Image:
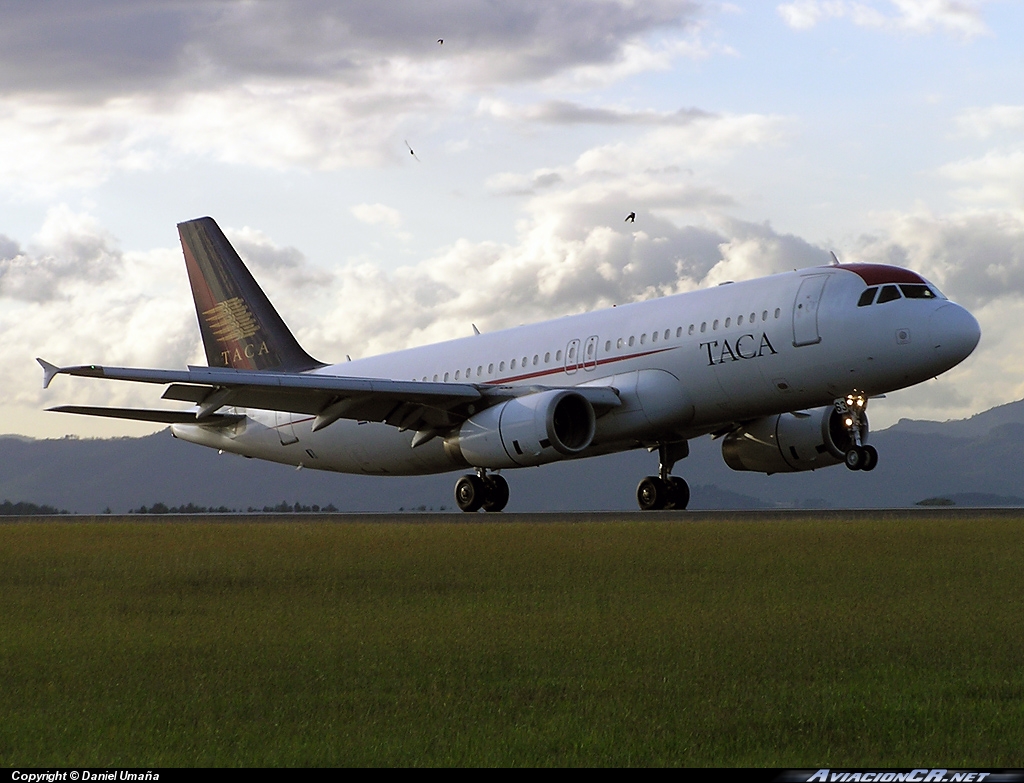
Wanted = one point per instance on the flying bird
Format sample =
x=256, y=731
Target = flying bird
x=411, y=151
x=441, y=41
x=630, y=218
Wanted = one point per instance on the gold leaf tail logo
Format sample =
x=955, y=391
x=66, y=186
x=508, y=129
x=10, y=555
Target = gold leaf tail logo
x=231, y=320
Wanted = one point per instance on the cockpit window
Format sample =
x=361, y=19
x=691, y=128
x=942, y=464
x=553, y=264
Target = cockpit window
x=916, y=291
x=867, y=297
x=889, y=292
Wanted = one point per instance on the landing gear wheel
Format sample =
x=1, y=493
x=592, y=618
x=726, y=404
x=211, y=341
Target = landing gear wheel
x=652, y=493
x=497, y=493
x=470, y=493
x=870, y=458
x=679, y=493
x=855, y=458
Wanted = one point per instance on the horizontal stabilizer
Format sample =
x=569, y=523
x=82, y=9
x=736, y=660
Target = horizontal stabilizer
x=139, y=414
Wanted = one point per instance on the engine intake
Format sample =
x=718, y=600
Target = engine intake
x=789, y=442
x=531, y=430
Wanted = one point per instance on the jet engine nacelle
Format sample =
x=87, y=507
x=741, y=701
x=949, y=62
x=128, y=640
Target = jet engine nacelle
x=790, y=442
x=529, y=430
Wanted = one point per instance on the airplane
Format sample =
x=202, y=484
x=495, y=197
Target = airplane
x=779, y=368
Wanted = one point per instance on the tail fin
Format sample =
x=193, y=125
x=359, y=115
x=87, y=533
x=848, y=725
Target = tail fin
x=240, y=327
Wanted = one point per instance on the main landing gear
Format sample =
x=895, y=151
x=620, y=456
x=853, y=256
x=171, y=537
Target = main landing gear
x=480, y=491
x=852, y=409
x=665, y=491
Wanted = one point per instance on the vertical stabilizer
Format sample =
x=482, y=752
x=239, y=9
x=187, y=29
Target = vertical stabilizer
x=240, y=327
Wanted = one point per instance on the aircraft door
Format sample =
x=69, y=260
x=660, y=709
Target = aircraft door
x=805, y=310
x=590, y=354
x=285, y=428
x=572, y=357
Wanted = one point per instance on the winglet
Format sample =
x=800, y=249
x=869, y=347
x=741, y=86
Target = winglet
x=49, y=370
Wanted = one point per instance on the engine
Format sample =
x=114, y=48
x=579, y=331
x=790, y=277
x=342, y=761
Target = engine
x=529, y=430
x=790, y=442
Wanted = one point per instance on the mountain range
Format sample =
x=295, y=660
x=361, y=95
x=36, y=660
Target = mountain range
x=977, y=461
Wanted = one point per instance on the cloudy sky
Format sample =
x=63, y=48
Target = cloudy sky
x=749, y=138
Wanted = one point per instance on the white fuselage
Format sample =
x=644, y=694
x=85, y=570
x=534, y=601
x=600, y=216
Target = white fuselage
x=684, y=365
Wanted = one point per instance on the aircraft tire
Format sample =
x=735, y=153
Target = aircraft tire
x=679, y=493
x=497, y=493
x=652, y=493
x=870, y=458
x=855, y=458
x=470, y=493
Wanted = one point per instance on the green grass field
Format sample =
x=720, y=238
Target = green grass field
x=785, y=643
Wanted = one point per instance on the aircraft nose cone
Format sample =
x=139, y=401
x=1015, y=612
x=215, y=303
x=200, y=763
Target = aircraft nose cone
x=954, y=332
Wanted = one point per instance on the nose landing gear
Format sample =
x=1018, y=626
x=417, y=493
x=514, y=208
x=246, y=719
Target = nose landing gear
x=852, y=409
x=473, y=492
x=665, y=491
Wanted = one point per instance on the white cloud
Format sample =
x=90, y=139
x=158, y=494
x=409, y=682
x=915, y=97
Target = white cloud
x=47, y=145
x=93, y=88
x=982, y=122
x=119, y=47
x=68, y=249
x=570, y=113
x=74, y=297
x=375, y=214
x=960, y=17
x=996, y=178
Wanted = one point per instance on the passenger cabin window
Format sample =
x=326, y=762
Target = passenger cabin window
x=917, y=291
x=889, y=292
x=867, y=297
x=727, y=322
x=690, y=330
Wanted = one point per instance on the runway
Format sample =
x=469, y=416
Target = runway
x=938, y=513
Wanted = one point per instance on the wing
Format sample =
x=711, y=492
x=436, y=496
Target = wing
x=429, y=408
